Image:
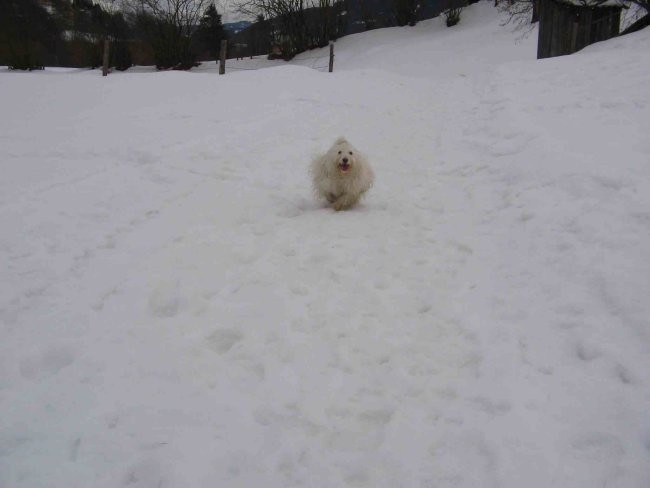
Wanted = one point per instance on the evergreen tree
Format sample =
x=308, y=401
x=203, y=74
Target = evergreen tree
x=258, y=36
x=211, y=30
x=27, y=31
x=406, y=11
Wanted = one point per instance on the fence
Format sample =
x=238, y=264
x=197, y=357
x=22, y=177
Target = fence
x=316, y=61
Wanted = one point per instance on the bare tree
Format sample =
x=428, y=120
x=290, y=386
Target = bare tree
x=287, y=19
x=522, y=14
x=368, y=14
x=406, y=11
x=297, y=25
x=326, y=23
x=170, y=26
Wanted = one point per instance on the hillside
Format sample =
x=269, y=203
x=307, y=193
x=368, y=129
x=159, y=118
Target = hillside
x=176, y=310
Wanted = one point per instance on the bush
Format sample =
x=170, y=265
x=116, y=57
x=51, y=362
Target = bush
x=171, y=48
x=121, y=55
x=26, y=56
x=406, y=11
x=452, y=16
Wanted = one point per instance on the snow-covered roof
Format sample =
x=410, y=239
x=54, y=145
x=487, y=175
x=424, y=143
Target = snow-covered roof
x=596, y=3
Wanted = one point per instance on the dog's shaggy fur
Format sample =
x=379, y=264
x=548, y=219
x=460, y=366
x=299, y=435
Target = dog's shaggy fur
x=341, y=175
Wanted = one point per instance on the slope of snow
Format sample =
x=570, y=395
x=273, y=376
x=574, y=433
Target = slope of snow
x=177, y=310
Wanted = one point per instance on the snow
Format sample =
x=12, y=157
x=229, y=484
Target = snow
x=177, y=310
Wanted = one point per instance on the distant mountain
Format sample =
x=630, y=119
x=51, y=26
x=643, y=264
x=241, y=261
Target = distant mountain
x=235, y=27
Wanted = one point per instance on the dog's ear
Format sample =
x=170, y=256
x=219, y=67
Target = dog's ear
x=340, y=140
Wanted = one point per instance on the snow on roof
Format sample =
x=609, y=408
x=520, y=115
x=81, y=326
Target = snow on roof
x=596, y=3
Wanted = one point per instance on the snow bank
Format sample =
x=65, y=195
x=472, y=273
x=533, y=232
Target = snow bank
x=177, y=310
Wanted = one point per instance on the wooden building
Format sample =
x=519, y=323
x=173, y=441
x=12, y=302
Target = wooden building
x=566, y=26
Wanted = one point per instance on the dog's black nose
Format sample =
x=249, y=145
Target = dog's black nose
x=345, y=160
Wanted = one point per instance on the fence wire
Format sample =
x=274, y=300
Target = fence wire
x=243, y=69
x=298, y=62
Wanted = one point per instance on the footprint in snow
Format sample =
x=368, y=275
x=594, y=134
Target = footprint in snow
x=165, y=300
x=46, y=363
x=223, y=340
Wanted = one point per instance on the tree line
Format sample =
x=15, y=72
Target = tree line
x=172, y=34
x=175, y=34
x=294, y=26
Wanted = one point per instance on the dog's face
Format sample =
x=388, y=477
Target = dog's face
x=344, y=156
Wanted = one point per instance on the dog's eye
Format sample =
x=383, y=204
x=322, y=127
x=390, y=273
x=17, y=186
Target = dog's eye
x=339, y=152
x=350, y=153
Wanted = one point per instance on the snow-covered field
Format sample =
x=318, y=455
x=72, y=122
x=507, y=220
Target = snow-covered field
x=177, y=311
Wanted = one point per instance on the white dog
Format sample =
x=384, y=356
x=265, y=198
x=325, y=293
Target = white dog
x=341, y=175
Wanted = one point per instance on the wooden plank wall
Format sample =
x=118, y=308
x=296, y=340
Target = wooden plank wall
x=565, y=29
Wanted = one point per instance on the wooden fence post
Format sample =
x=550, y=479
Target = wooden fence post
x=107, y=45
x=331, y=57
x=222, y=57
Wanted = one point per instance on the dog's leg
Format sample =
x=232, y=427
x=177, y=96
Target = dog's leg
x=345, y=201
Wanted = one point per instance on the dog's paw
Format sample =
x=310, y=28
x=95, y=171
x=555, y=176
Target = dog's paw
x=345, y=201
x=340, y=204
